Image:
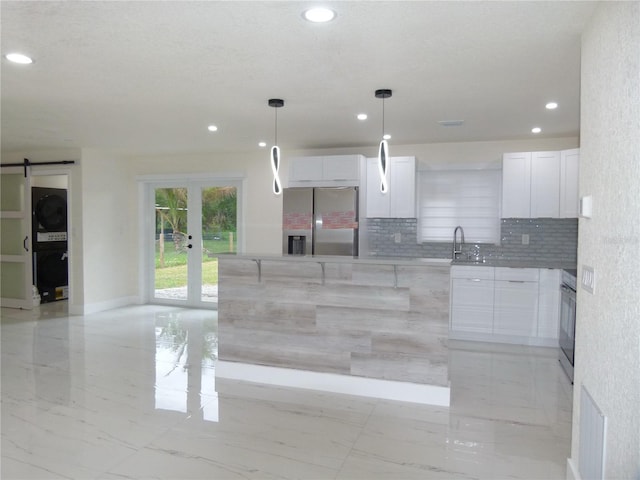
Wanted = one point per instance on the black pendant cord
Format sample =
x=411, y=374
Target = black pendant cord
x=382, y=118
x=27, y=163
x=276, y=128
x=383, y=93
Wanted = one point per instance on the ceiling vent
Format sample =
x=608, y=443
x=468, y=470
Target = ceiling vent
x=450, y=123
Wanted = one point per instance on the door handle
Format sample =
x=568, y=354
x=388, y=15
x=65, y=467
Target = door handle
x=24, y=243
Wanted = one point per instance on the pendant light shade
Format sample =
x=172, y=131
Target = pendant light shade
x=383, y=155
x=275, y=166
x=275, y=150
x=383, y=148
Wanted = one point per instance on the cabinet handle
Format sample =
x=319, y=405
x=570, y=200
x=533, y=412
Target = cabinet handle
x=516, y=281
x=475, y=279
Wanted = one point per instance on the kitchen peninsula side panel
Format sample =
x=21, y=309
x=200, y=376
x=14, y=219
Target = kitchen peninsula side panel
x=384, y=321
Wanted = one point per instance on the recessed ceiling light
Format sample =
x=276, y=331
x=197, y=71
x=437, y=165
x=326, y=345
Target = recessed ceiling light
x=551, y=106
x=262, y=144
x=386, y=136
x=362, y=116
x=18, y=58
x=212, y=128
x=536, y=130
x=319, y=15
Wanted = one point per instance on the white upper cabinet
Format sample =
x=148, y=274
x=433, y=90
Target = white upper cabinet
x=402, y=187
x=545, y=184
x=306, y=170
x=400, y=200
x=540, y=184
x=516, y=185
x=377, y=204
x=569, y=177
x=342, y=168
x=325, y=171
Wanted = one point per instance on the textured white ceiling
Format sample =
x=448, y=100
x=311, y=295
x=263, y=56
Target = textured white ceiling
x=148, y=77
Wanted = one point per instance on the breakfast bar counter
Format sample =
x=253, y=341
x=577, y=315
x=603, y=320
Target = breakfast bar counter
x=379, y=318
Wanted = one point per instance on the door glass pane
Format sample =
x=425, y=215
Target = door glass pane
x=13, y=281
x=12, y=192
x=219, y=234
x=12, y=236
x=170, y=279
x=15, y=265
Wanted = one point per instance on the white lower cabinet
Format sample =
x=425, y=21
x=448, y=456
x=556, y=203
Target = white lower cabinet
x=472, y=299
x=508, y=305
x=515, y=302
x=549, y=303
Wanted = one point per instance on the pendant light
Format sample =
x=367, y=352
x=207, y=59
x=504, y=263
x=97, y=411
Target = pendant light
x=275, y=150
x=383, y=148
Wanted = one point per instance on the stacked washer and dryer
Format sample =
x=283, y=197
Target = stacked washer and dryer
x=49, y=242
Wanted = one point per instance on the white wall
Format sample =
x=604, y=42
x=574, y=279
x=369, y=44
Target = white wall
x=608, y=322
x=50, y=181
x=109, y=235
x=262, y=209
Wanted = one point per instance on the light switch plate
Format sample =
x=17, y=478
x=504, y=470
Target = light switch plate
x=588, y=279
x=525, y=239
x=398, y=237
x=586, y=206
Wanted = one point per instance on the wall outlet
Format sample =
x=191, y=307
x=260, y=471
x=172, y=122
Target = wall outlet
x=525, y=239
x=397, y=237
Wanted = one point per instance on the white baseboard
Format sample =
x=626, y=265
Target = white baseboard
x=89, y=308
x=331, y=382
x=572, y=470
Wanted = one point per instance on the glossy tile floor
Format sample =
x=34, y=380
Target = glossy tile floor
x=132, y=393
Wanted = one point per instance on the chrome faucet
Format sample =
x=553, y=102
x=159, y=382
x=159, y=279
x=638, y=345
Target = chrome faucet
x=457, y=247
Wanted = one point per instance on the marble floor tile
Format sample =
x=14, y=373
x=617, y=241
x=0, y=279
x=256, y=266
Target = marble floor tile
x=132, y=393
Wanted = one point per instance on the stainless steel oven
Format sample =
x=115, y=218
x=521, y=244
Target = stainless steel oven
x=567, y=332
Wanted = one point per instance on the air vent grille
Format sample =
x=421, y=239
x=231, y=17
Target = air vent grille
x=450, y=123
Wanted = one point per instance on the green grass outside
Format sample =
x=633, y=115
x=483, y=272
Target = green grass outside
x=174, y=273
x=176, y=276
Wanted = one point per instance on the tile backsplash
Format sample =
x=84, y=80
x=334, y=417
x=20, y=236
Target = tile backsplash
x=550, y=240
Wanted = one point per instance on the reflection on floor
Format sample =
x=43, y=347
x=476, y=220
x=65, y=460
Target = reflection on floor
x=132, y=393
x=209, y=293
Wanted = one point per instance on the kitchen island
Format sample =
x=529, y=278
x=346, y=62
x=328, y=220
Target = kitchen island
x=375, y=318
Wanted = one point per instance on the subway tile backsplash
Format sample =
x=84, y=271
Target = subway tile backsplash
x=550, y=240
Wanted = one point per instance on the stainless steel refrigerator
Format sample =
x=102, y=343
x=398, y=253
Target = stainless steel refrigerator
x=320, y=221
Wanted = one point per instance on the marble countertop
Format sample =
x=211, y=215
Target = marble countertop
x=404, y=261
x=500, y=262
x=372, y=260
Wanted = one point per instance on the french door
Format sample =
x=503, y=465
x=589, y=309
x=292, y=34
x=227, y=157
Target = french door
x=192, y=222
x=15, y=254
